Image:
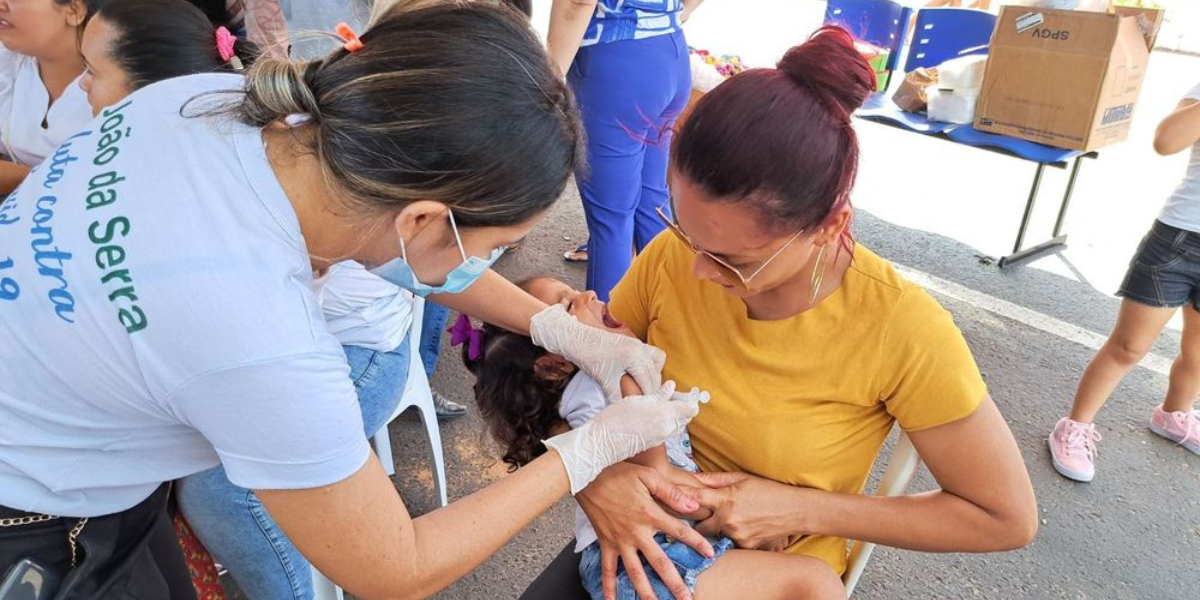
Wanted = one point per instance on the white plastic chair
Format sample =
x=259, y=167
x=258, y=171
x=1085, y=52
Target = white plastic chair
x=416, y=394
x=901, y=468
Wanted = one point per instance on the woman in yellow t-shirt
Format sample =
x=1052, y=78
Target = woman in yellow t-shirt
x=811, y=345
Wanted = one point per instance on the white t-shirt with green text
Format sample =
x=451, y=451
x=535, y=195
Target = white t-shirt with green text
x=157, y=317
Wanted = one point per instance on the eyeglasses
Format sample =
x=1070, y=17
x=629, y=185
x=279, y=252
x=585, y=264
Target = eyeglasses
x=730, y=272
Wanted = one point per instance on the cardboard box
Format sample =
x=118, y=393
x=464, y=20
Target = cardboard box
x=1063, y=78
x=1149, y=20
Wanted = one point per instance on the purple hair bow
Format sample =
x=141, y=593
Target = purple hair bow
x=464, y=332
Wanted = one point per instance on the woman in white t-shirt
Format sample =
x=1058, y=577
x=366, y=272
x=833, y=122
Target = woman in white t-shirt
x=1163, y=277
x=129, y=45
x=41, y=103
x=158, y=316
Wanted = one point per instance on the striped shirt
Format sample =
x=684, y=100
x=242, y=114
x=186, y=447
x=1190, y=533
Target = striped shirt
x=620, y=20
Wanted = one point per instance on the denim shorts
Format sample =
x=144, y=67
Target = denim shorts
x=688, y=562
x=1165, y=270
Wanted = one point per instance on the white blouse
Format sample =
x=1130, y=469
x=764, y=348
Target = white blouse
x=25, y=104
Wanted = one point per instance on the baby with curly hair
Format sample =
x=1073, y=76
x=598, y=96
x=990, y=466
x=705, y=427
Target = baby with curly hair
x=526, y=394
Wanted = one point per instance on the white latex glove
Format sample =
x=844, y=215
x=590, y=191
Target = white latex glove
x=604, y=355
x=623, y=429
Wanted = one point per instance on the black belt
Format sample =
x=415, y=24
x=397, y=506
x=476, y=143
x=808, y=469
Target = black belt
x=12, y=513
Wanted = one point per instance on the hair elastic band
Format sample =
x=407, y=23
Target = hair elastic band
x=465, y=332
x=353, y=44
x=225, y=42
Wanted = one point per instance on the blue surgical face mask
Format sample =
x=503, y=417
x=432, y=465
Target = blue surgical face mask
x=398, y=272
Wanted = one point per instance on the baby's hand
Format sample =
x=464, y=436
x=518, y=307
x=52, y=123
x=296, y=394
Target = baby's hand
x=689, y=482
x=697, y=515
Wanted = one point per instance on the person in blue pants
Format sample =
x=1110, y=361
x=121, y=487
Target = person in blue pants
x=433, y=324
x=632, y=78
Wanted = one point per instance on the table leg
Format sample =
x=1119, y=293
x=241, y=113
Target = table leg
x=1019, y=254
x=1033, y=192
x=1062, y=210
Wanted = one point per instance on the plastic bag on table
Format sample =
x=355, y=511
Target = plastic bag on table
x=952, y=105
x=962, y=72
x=911, y=95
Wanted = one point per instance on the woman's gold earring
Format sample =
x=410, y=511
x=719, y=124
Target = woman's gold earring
x=818, y=276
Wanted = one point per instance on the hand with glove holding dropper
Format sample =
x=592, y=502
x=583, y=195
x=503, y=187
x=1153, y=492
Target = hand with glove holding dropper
x=520, y=388
x=603, y=341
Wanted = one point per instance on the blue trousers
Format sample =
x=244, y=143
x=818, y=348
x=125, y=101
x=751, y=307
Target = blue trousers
x=629, y=95
x=236, y=528
x=433, y=325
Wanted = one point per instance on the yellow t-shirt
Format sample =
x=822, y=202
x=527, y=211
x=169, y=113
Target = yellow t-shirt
x=810, y=399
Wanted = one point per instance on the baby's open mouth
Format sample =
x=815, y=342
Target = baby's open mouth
x=609, y=321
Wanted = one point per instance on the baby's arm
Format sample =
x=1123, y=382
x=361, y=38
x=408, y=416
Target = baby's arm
x=1180, y=130
x=628, y=387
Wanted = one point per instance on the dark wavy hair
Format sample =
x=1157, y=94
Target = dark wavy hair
x=518, y=399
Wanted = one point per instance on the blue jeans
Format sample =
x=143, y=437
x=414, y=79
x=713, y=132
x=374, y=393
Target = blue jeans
x=1165, y=270
x=629, y=95
x=688, y=562
x=433, y=324
x=236, y=528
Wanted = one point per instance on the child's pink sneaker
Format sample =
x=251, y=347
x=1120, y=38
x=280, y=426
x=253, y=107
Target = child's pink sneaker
x=1183, y=428
x=1073, y=449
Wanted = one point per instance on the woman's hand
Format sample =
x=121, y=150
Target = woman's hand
x=656, y=458
x=568, y=23
x=604, y=355
x=621, y=506
x=754, y=512
x=623, y=429
x=975, y=510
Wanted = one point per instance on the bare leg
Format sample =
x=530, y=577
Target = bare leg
x=761, y=575
x=1185, y=372
x=1137, y=327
